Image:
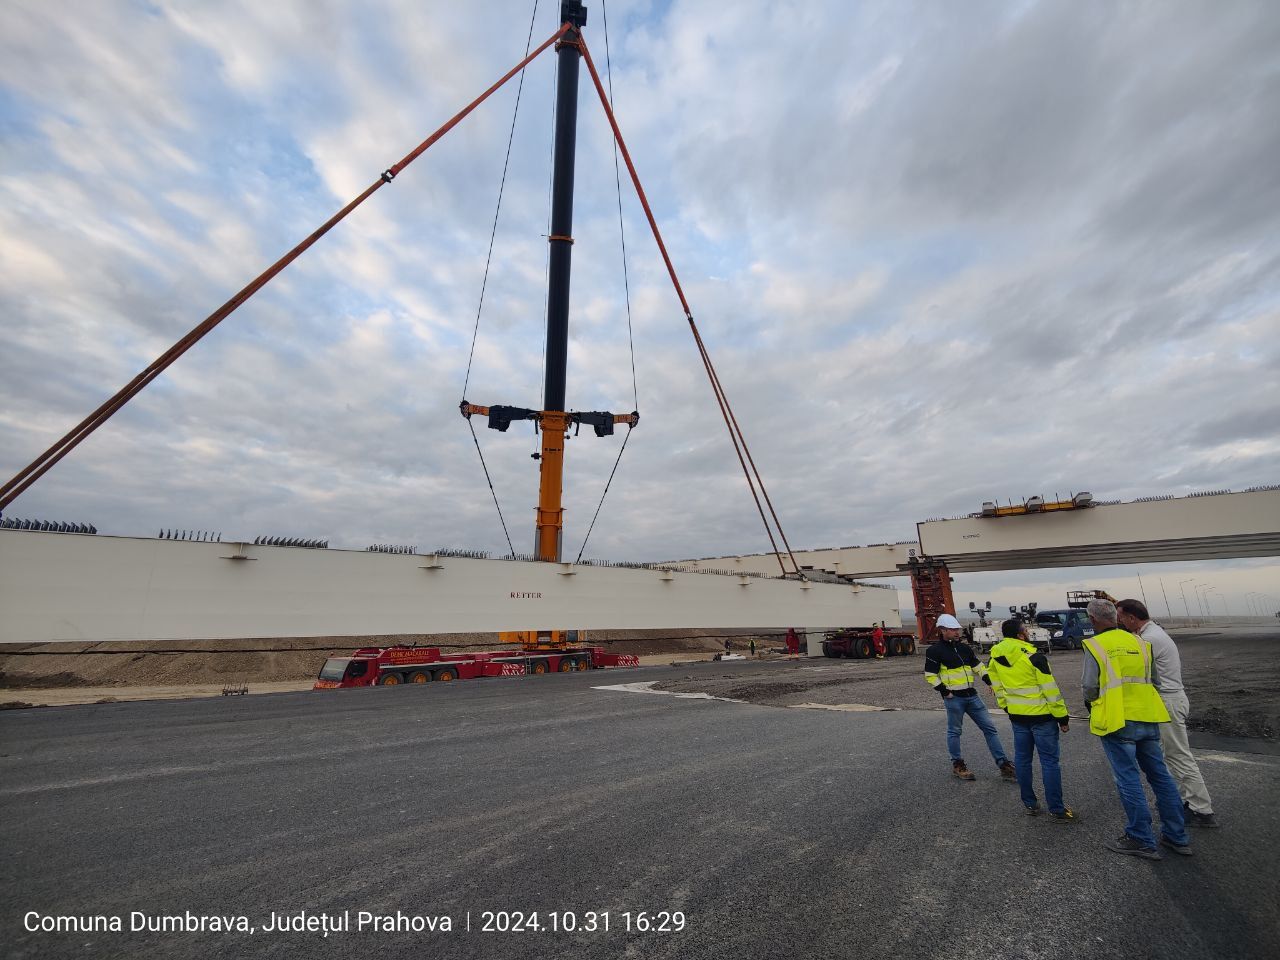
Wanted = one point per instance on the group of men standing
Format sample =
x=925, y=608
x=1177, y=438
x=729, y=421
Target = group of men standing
x=1132, y=684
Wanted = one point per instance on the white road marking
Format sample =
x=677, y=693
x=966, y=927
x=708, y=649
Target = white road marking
x=844, y=707
x=646, y=686
x=1231, y=758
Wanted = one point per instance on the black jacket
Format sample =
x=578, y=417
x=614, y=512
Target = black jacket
x=952, y=655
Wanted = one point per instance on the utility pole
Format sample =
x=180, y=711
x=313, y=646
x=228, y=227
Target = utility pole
x=1167, y=611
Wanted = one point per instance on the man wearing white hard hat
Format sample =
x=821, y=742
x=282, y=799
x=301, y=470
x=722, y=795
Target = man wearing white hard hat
x=952, y=668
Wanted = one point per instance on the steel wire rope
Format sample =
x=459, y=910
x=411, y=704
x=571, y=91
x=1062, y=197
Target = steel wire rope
x=493, y=492
x=731, y=421
x=622, y=233
x=43, y=463
x=484, y=281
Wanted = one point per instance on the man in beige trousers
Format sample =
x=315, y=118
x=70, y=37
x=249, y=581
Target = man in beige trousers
x=1135, y=618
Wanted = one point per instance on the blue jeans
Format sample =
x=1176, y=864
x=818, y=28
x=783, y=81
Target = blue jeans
x=1134, y=747
x=957, y=707
x=1039, y=737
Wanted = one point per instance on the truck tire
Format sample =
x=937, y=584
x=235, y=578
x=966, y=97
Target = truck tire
x=861, y=648
x=582, y=664
x=389, y=680
x=566, y=664
x=420, y=676
x=538, y=667
x=446, y=675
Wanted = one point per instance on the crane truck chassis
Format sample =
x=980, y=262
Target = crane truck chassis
x=390, y=666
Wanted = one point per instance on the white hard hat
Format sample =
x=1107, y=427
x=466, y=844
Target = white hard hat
x=948, y=622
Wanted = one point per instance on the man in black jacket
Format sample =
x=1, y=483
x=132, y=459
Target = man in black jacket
x=951, y=668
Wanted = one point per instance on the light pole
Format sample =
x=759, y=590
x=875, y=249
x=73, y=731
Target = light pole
x=1184, y=596
x=1200, y=597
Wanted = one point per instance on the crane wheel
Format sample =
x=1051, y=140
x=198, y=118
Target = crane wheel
x=420, y=676
x=389, y=680
x=538, y=666
x=566, y=665
x=582, y=664
x=444, y=676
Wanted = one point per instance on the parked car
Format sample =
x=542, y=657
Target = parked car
x=1067, y=628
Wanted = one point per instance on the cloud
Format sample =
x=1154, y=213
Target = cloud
x=938, y=256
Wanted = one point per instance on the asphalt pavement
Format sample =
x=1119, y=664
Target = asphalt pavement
x=746, y=831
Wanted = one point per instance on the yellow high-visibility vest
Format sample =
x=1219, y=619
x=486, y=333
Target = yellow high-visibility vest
x=1021, y=688
x=1125, y=691
x=956, y=678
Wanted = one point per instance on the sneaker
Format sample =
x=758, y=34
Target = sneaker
x=1126, y=844
x=1033, y=811
x=1007, y=772
x=1182, y=849
x=1066, y=816
x=960, y=770
x=1195, y=819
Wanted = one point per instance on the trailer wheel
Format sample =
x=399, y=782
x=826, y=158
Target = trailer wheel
x=862, y=648
x=420, y=676
x=538, y=666
x=445, y=675
x=566, y=664
x=899, y=645
x=582, y=664
x=388, y=679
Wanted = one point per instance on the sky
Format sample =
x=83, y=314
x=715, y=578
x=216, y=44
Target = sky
x=939, y=253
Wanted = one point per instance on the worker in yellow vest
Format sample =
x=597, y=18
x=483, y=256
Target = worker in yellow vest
x=1025, y=688
x=1126, y=711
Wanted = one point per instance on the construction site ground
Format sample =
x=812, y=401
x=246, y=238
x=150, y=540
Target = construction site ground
x=1232, y=672
x=771, y=831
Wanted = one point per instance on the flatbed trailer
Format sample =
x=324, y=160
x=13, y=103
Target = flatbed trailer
x=390, y=666
x=855, y=643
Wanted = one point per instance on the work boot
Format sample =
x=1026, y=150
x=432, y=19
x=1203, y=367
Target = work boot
x=1184, y=849
x=1195, y=819
x=1126, y=844
x=960, y=770
x=1066, y=816
x=1007, y=772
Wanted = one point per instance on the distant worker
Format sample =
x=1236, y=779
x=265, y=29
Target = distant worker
x=793, y=644
x=1126, y=712
x=951, y=668
x=1196, y=805
x=1025, y=688
x=728, y=647
x=753, y=648
x=877, y=640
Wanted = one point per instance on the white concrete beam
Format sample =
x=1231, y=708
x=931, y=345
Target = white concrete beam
x=79, y=587
x=1217, y=526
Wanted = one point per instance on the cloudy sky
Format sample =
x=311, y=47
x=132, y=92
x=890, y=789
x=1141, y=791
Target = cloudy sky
x=941, y=253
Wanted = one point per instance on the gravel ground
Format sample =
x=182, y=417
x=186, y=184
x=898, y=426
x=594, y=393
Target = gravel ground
x=1232, y=677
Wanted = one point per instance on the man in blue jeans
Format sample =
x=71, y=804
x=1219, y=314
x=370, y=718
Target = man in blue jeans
x=951, y=668
x=1125, y=712
x=1024, y=686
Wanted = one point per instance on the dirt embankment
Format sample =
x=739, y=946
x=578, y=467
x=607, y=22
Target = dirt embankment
x=180, y=663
